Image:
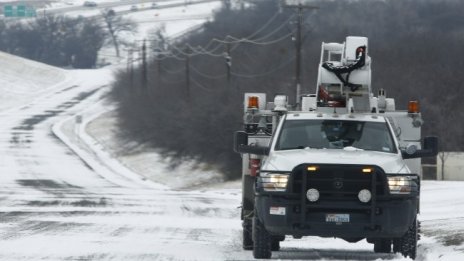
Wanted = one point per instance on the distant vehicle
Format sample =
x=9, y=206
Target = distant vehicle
x=134, y=8
x=154, y=5
x=90, y=4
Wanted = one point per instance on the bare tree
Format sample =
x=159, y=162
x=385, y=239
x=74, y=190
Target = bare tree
x=115, y=26
x=443, y=156
x=158, y=41
x=55, y=40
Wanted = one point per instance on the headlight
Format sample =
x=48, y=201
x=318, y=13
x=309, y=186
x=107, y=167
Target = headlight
x=274, y=181
x=401, y=184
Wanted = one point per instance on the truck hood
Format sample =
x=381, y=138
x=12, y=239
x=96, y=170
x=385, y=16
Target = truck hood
x=288, y=159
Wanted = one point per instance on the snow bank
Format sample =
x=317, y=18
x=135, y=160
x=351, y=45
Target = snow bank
x=145, y=161
x=22, y=80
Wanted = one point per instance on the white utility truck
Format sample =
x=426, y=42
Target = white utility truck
x=341, y=163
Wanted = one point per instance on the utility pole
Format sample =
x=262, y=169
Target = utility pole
x=144, y=65
x=228, y=63
x=187, y=72
x=227, y=4
x=300, y=8
x=158, y=68
x=130, y=66
x=129, y=57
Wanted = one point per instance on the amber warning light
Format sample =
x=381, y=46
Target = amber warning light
x=312, y=168
x=367, y=170
x=413, y=107
x=253, y=102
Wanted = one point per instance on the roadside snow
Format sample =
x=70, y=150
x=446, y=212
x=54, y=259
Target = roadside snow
x=22, y=80
x=103, y=133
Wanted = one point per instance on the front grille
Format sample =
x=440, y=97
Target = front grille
x=338, y=182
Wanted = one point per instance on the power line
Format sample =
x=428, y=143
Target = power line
x=180, y=51
x=259, y=41
x=195, y=52
x=212, y=50
x=201, y=50
x=236, y=40
x=190, y=51
x=256, y=41
x=205, y=51
x=264, y=43
x=264, y=26
x=275, y=30
x=169, y=81
x=253, y=34
x=172, y=71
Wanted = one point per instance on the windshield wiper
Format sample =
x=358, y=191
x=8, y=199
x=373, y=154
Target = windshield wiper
x=300, y=148
x=294, y=148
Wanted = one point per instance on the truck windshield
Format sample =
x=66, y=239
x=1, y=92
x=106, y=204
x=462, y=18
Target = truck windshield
x=335, y=134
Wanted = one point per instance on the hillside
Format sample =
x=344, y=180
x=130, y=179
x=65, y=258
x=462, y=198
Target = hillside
x=21, y=79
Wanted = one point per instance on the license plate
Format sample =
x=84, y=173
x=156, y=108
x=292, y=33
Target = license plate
x=280, y=211
x=337, y=218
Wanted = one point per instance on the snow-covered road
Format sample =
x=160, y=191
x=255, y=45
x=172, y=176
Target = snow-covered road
x=55, y=206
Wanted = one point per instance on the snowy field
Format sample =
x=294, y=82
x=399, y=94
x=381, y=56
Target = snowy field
x=67, y=193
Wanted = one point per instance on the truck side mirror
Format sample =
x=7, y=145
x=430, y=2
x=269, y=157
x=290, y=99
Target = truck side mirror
x=430, y=149
x=241, y=145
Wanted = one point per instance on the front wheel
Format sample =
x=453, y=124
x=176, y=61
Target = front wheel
x=407, y=244
x=261, y=240
x=382, y=246
x=275, y=245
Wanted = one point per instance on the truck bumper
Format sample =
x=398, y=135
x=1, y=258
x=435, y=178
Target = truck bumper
x=391, y=218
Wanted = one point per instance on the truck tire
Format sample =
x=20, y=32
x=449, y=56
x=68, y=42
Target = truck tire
x=275, y=245
x=407, y=244
x=396, y=245
x=383, y=245
x=261, y=240
x=247, y=240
